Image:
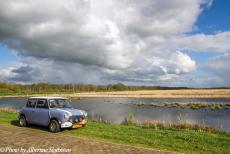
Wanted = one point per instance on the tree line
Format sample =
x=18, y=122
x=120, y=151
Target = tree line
x=36, y=88
x=12, y=88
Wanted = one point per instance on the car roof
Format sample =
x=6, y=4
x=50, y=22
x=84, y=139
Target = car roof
x=46, y=97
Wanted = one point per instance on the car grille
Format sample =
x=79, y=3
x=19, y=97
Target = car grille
x=76, y=119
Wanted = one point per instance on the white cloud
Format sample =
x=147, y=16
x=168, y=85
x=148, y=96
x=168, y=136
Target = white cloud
x=176, y=63
x=218, y=42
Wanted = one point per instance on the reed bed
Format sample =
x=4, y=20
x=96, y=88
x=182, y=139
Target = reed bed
x=192, y=105
x=180, y=124
x=185, y=125
x=189, y=93
x=185, y=93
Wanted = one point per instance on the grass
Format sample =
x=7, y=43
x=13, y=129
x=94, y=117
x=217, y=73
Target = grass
x=8, y=115
x=192, y=105
x=166, y=138
x=187, y=141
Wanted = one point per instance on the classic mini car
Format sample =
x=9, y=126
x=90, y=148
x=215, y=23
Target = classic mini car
x=54, y=112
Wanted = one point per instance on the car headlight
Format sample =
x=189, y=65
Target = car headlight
x=66, y=116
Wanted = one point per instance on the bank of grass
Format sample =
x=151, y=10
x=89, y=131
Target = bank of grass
x=8, y=115
x=151, y=136
x=180, y=140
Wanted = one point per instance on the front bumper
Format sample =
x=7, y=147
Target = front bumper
x=68, y=124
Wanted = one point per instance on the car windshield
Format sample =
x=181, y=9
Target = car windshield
x=59, y=103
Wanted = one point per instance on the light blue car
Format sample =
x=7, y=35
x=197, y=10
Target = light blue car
x=54, y=112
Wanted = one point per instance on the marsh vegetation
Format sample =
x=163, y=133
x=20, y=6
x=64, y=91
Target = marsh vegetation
x=192, y=105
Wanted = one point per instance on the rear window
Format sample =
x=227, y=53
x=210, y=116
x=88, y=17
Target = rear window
x=42, y=103
x=31, y=103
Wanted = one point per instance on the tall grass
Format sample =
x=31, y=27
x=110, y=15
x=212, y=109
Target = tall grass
x=180, y=124
x=8, y=110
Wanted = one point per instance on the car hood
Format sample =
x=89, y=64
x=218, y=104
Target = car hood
x=71, y=111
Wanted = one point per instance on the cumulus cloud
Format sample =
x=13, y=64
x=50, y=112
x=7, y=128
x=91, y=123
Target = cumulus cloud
x=107, y=40
x=65, y=31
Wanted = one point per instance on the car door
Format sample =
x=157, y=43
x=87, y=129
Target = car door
x=41, y=113
x=29, y=109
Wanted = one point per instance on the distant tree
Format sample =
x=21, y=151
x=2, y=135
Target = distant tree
x=119, y=87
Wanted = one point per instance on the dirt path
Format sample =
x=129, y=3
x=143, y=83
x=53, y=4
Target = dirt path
x=13, y=137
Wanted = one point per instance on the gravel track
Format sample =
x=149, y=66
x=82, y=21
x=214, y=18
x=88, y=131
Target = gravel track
x=16, y=137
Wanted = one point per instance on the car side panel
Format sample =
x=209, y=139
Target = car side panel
x=41, y=116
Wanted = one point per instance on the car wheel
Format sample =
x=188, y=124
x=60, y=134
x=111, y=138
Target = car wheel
x=22, y=121
x=54, y=126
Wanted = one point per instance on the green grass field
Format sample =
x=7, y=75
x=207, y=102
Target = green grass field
x=172, y=139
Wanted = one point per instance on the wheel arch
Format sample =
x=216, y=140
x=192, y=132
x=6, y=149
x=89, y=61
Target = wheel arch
x=54, y=118
x=22, y=115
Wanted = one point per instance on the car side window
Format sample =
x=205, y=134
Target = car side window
x=31, y=103
x=42, y=103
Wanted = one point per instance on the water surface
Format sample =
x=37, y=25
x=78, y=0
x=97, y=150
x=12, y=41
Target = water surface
x=116, y=109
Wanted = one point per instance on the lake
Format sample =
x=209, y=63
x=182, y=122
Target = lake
x=116, y=109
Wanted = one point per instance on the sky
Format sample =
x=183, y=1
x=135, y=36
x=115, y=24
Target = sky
x=148, y=42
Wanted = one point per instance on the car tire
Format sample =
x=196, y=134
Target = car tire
x=22, y=121
x=54, y=126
